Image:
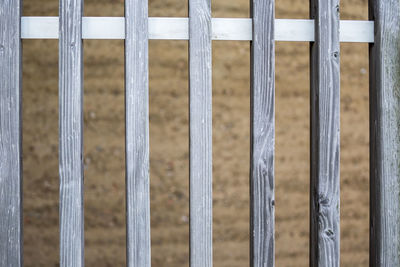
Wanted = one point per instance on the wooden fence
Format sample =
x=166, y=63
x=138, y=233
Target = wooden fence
x=324, y=31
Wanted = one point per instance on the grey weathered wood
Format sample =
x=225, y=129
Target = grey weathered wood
x=325, y=135
x=137, y=134
x=262, y=197
x=71, y=134
x=385, y=134
x=200, y=133
x=11, y=241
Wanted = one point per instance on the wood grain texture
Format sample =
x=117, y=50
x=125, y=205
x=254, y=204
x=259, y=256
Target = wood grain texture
x=325, y=135
x=262, y=197
x=71, y=134
x=385, y=134
x=137, y=134
x=11, y=241
x=200, y=84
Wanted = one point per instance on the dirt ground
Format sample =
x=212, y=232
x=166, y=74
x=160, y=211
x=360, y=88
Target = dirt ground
x=104, y=143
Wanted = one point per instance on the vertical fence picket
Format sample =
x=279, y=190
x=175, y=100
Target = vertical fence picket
x=262, y=155
x=384, y=134
x=137, y=134
x=325, y=135
x=200, y=133
x=11, y=241
x=71, y=133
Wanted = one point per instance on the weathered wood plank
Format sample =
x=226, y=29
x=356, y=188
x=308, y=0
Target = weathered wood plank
x=385, y=134
x=200, y=133
x=137, y=134
x=325, y=135
x=11, y=241
x=71, y=134
x=262, y=197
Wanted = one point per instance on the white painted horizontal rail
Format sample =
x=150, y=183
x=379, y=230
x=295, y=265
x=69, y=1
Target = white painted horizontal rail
x=239, y=29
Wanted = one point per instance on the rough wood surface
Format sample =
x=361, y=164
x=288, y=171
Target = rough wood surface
x=137, y=134
x=262, y=198
x=11, y=241
x=325, y=135
x=200, y=133
x=70, y=134
x=385, y=134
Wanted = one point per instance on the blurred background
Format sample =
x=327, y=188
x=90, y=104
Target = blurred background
x=104, y=143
